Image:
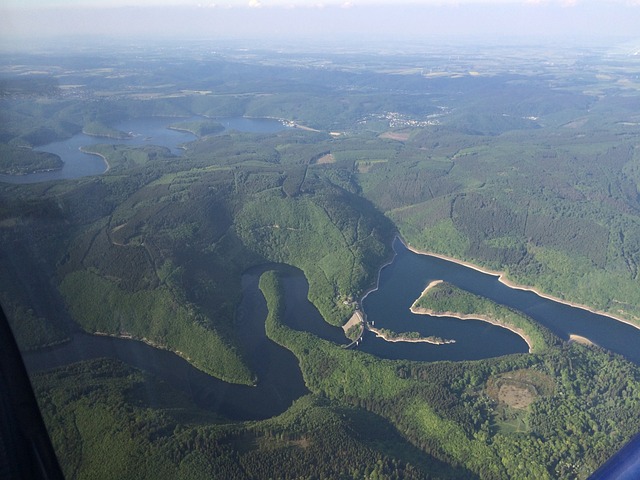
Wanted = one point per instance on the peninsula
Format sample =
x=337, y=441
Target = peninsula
x=502, y=278
x=409, y=337
x=442, y=299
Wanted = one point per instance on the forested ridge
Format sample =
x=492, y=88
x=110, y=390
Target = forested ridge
x=512, y=172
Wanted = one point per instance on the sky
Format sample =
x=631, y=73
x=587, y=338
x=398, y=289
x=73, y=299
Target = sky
x=321, y=19
x=296, y=3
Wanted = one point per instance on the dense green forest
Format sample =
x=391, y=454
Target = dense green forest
x=556, y=209
x=536, y=176
x=19, y=161
x=451, y=410
x=104, y=425
x=365, y=418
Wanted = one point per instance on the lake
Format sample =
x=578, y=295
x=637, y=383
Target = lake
x=280, y=380
x=279, y=383
x=144, y=131
x=402, y=281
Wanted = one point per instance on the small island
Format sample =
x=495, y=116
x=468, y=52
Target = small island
x=442, y=299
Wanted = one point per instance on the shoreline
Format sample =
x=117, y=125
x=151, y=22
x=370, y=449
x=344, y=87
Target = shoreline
x=431, y=285
x=505, y=281
x=581, y=340
x=146, y=341
x=182, y=129
x=193, y=132
x=482, y=318
x=377, y=284
x=151, y=343
x=425, y=311
x=34, y=172
x=124, y=136
x=104, y=159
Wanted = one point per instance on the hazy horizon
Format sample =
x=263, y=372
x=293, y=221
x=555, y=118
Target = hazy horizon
x=331, y=23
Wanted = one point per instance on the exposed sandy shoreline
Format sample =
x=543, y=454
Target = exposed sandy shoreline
x=502, y=279
x=104, y=159
x=517, y=331
x=431, y=285
x=425, y=311
x=580, y=339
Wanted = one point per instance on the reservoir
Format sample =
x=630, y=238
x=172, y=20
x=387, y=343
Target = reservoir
x=144, y=131
x=403, y=280
x=280, y=380
x=279, y=377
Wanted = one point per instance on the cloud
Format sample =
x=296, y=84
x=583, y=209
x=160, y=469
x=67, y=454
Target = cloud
x=255, y=3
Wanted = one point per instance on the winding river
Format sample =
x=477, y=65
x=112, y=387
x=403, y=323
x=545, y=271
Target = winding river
x=400, y=283
x=280, y=380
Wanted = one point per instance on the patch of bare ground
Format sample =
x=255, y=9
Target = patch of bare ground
x=328, y=158
x=353, y=321
x=518, y=389
x=580, y=339
x=271, y=443
x=304, y=442
x=516, y=396
x=399, y=136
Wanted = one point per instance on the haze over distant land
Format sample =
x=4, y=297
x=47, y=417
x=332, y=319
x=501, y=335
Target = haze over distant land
x=578, y=21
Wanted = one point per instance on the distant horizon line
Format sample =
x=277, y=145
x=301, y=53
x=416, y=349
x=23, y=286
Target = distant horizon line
x=543, y=22
x=383, y=39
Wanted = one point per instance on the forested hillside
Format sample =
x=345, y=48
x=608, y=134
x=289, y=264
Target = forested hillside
x=155, y=249
x=534, y=173
x=555, y=207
